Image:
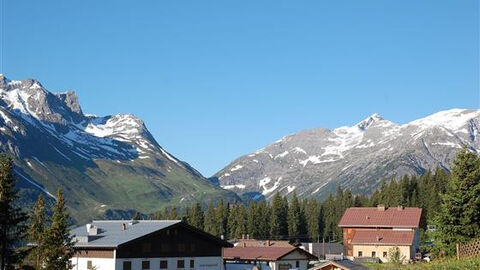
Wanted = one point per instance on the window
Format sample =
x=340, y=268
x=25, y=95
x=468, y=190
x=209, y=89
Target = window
x=374, y=254
x=384, y=254
x=181, y=264
x=360, y=254
x=163, y=264
x=89, y=265
x=192, y=264
x=127, y=265
x=145, y=264
x=297, y=264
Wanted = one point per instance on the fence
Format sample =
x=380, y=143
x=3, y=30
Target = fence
x=471, y=248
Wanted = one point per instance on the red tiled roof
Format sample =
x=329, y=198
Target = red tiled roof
x=259, y=253
x=383, y=237
x=374, y=217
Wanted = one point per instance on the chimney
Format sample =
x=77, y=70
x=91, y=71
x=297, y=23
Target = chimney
x=268, y=243
x=378, y=238
x=124, y=226
x=244, y=244
x=243, y=236
x=400, y=207
x=222, y=237
x=381, y=207
x=91, y=229
x=248, y=236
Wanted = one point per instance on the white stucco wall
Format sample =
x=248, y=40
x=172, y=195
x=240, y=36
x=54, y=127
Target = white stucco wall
x=379, y=250
x=99, y=263
x=303, y=264
x=201, y=263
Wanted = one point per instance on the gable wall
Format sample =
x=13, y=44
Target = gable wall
x=178, y=241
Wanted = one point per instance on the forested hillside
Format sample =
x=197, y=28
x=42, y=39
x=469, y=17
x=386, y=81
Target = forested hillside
x=311, y=219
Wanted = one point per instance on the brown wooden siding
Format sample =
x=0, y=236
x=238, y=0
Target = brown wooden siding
x=91, y=253
x=178, y=241
x=348, y=234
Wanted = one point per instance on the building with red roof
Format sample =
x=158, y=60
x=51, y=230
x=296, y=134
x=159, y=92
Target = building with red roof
x=373, y=231
x=244, y=257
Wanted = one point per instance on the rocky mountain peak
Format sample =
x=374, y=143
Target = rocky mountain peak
x=367, y=122
x=357, y=157
x=71, y=101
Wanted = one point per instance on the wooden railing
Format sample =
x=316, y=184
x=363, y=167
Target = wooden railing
x=468, y=249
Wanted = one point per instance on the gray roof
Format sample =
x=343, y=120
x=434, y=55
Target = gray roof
x=111, y=233
x=330, y=248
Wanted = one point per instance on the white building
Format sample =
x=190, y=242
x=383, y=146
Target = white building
x=145, y=244
x=266, y=258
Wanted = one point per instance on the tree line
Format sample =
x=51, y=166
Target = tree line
x=309, y=219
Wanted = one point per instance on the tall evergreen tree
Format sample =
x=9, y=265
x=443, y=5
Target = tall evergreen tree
x=252, y=220
x=263, y=220
x=232, y=221
x=12, y=218
x=210, y=222
x=278, y=217
x=221, y=215
x=459, y=217
x=36, y=232
x=313, y=219
x=197, y=216
x=59, y=242
x=241, y=221
x=294, y=219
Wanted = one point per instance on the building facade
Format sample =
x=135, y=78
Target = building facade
x=145, y=244
x=374, y=231
x=266, y=258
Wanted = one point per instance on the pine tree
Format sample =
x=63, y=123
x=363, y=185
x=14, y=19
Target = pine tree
x=59, y=243
x=221, y=215
x=36, y=232
x=252, y=220
x=278, y=217
x=459, y=217
x=313, y=219
x=12, y=218
x=210, y=225
x=241, y=221
x=294, y=219
x=197, y=216
x=232, y=221
x=263, y=220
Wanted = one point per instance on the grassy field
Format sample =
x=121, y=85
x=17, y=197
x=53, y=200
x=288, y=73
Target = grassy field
x=440, y=264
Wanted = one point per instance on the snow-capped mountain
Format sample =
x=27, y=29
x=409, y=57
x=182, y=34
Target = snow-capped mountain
x=102, y=163
x=359, y=157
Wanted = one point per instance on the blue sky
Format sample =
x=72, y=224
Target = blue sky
x=217, y=79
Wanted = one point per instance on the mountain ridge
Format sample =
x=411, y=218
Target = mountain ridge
x=313, y=161
x=109, y=162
